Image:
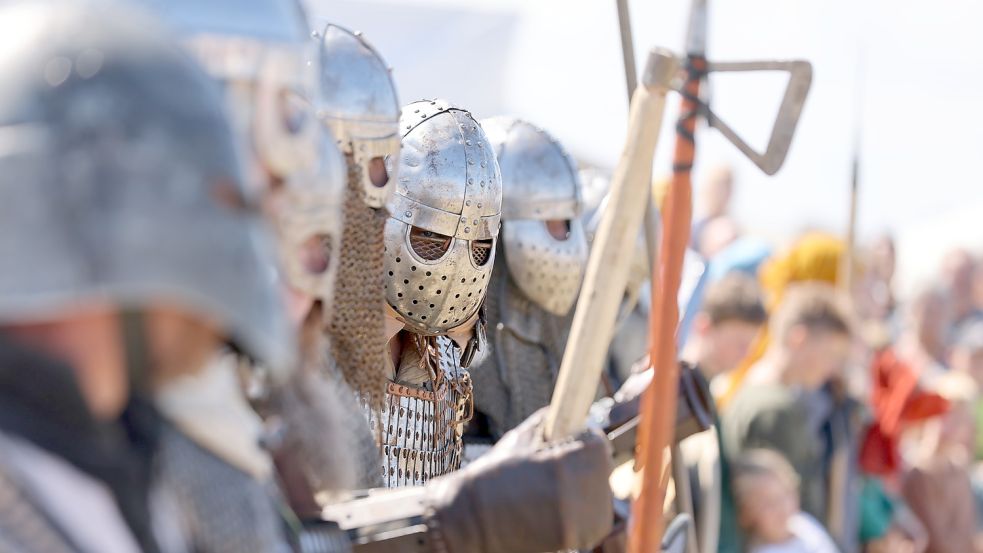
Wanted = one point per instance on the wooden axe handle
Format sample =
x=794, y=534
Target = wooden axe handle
x=610, y=258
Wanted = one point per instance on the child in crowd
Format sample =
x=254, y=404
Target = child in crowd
x=765, y=489
x=777, y=408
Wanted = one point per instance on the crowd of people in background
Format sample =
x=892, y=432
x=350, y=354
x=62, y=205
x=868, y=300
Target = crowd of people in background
x=852, y=414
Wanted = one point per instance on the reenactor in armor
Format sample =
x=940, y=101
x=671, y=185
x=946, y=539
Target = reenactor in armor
x=428, y=308
x=541, y=259
x=271, y=438
x=121, y=140
x=359, y=105
x=300, y=196
x=132, y=250
x=440, y=250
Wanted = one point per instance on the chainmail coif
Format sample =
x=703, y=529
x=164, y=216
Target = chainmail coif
x=357, y=325
x=526, y=342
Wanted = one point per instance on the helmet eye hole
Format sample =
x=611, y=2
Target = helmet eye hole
x=481, y=251
x=429, y=245
x=378, y=174
x=559, y=228
x=315, y=254
x=293, y=111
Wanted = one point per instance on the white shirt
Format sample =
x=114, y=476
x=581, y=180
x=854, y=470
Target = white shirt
x=808, y=536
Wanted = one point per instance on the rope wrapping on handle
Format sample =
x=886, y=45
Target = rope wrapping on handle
x=659, y=400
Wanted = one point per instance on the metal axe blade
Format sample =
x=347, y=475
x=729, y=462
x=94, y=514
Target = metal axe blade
x=799, y=82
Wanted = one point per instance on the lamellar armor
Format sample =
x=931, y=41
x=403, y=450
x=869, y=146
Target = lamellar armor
x=540, y=183
x=440, y=247
x=421, y=425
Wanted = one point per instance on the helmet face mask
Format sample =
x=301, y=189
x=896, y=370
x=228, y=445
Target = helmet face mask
x=541, y=187
x=127, y=186
x=260, y=53
x=358, y=103
x=308, y=215
x=443, y=225
x=434, y=295
x=546, y=269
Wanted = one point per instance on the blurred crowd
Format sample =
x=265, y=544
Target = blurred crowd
x=853, y=414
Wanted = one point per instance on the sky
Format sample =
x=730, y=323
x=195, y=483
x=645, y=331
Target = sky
x=901, y=79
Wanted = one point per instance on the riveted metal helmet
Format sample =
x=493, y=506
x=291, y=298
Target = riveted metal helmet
x=120, y=179
x=359, y=104
x=261, y=52
x=308, y=218
x=638, y=270
x=540, y=183
x=444, y=218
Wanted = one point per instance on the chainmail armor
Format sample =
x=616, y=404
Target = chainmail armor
x=24, y=528
x=516, y=377
x=222, y=509
x=357, y=325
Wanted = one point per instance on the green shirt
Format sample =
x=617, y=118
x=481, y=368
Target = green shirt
x=774, y=417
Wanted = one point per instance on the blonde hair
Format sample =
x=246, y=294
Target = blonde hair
x=756, y=463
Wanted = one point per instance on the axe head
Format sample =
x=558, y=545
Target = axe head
x=799, y=82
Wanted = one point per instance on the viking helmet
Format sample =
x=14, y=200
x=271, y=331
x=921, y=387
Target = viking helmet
x=309, y=222
x=444, y=218
x=260, y=51
x=121, y=179
x=540, y=183
x=262, y=55
x=358, y=103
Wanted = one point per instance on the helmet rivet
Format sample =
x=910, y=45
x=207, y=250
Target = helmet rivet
x=408, y=214
x=479, y=206
x=416, y=111
x=470, y=162
x=475, y=222
x=470, y=181
x=483, y=163
x=467, y=203
x=464, y=219
x=467, y=229
x=468, y=142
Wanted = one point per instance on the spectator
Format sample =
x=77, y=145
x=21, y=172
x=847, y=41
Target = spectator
x=778, y=407
x=728, y=321
x=716, y=235
x=815, y=257
x=874, y=298
x=713, y=200
x=938, y=486
x=923, y=342
x=958, y=269
x=966, y=357
x=766, y=491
